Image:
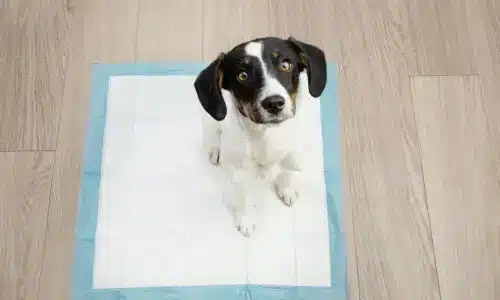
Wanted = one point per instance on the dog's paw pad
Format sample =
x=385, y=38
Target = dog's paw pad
x=287, y=194
x=245, y=225
x=214, y=155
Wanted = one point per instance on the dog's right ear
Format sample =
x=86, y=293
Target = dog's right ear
x=208, y=86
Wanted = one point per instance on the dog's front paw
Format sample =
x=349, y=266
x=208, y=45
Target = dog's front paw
x=287, y=194
x=245, y=225
x=214, y=155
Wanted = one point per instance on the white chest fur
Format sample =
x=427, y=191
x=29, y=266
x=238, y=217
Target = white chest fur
x=272, y=144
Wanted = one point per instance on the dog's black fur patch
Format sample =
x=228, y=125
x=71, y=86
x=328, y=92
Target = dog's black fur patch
x=223, y=73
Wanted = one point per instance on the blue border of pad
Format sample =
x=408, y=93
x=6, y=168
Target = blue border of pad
x=83, y=262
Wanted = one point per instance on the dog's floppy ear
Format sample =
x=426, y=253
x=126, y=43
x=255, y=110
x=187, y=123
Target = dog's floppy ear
x=314, y=61
x=208, y=87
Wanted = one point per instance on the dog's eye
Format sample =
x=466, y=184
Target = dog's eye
x=285, y=65
x=242, y=76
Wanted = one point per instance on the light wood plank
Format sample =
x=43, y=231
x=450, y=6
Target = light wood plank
x=312, y=21
x=104, y=31
x=289, y=18
x=385, y=190
x=25, y=191
x=484, y=27
x=441, y=44
x=461, y=184
x=227, y=23
x=170, y=30
x=34, y=36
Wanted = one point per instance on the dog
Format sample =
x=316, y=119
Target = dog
x=253, y=96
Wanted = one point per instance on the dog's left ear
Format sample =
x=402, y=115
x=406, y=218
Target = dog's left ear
x=314, y=61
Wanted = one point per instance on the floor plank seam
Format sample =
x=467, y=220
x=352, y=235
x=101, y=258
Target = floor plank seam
x=355, y=254
x=46, y=226
x=27, y=150
x=59, y=117
x=424, y=185
x=353, y=237
x=360, y=289
x=444, y=75
x=203, y=11
x=136, y=44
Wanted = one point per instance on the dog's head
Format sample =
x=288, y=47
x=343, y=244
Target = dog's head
x=263, y=77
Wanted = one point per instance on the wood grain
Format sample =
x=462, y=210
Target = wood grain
x=385, y=181
x=441, y=45
x=32, y=64
x=295, y=18
x=461, y=183
x=103, y=31
x=170, y=34
x=484, y=25
x=227, y=23
x=25, y=190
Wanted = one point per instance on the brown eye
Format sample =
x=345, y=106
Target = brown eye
x=285, y=66
x=242, y=76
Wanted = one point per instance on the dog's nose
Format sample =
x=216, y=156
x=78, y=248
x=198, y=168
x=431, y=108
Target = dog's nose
x=274, y=104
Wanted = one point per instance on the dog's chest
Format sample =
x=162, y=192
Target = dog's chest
x=271, y=146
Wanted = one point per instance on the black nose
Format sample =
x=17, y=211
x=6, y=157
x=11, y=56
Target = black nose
x=273, y=104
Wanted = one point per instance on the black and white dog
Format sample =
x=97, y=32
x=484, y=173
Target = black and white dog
x=260, y=86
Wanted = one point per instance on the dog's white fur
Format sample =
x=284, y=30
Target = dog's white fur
x=246, y=150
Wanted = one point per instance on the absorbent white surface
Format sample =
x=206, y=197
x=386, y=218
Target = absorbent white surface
x=162, y=221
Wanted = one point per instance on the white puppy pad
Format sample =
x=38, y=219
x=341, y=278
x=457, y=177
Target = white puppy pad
x=162, y=220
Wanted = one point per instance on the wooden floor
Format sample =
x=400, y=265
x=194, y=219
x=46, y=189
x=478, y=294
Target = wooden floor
x=420, y=94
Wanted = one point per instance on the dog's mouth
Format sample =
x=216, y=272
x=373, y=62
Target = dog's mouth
x=273, y=121
x=262, y=117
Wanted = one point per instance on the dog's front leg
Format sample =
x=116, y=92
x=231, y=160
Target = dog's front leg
x=289, y=180
x=240, y=179
x=212, y=134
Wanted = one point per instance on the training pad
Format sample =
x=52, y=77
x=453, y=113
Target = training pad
x=153, y=219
